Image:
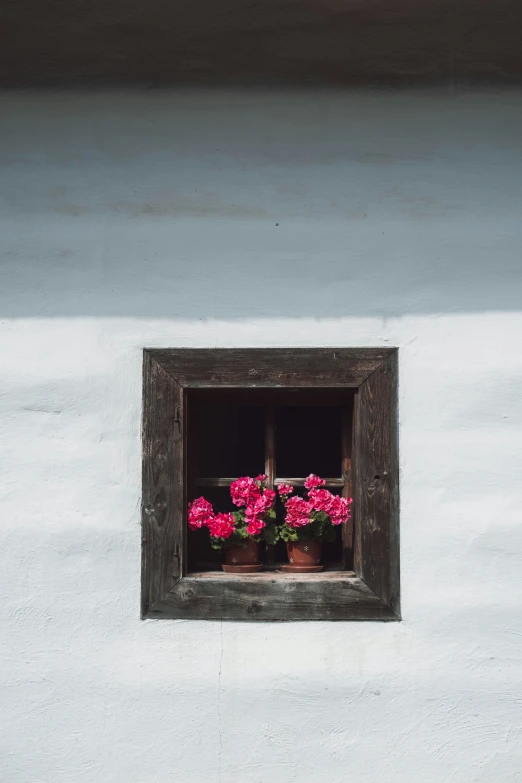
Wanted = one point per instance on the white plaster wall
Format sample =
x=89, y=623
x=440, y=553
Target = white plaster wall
x=167, y=219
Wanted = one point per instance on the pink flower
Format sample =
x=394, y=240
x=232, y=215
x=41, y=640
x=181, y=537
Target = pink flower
x=243, y=490
x=298, y=511
x=200, y=513
x=222, y=526
x=285, y=489
x=268, y=497
x=339, y=511
x=260, y=505
x=256, y=509
x=254, y=519
x=262, y=478
x=255, y=526
x=313, y=481
x=321, y=499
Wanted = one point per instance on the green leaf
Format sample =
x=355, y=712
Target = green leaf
x=271, y=534
x=288, y=533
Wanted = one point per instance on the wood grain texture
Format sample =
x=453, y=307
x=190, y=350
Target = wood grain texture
x=374, y=592
x=270, y=367
x=262, y=42
x=346, y=448
x=269, y=576
x=270, y=446
x=377, y=483
x=163, y=483
x=269, y=598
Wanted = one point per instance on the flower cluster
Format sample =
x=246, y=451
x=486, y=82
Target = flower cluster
x=243, y=491
x=315, y=515
x=298, y=512
x=313, y=481
x=256, y=510
x=255, y=502
x=200, y=513
x=337, y=508
x=319, y=508
x=222, y=526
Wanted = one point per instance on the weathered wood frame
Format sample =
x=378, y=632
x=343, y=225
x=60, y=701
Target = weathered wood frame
x=373, y=591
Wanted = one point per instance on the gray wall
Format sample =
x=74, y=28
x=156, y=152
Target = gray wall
x=269, y=219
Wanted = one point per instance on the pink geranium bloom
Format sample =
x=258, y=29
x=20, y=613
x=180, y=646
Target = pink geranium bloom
x=285, y=489
x=298, y=512
x=321, y=499
x=200, y=513
x=222, y=526
x=260, y=505
x=262, y=478
x=340, y=510
x=313, y=481
x=255, y=526
x=243, y=490
x=268, y=497
x=253, y=512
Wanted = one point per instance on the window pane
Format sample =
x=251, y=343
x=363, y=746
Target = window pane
x=308, y=440
x=230, y=440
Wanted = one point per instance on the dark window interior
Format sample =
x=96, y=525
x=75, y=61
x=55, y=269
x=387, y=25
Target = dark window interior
x=286, y=434
x=308, y=440
x=231, y=439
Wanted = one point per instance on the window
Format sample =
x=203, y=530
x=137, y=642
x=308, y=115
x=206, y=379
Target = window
x=210, y=416
x=284, y=433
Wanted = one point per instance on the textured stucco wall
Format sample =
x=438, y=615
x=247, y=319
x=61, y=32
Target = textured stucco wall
x=264, y=220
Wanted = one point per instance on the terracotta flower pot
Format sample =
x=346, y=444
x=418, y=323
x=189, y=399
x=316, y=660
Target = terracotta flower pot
x=242, y=558
x=304, y=556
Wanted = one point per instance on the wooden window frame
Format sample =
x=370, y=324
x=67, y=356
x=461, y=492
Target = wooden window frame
x=372, y=590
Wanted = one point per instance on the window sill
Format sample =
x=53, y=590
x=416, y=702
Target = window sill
x=275, y=576
x=271, y=596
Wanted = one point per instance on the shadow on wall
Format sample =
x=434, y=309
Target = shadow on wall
x=271, y=204
x=273, y=42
